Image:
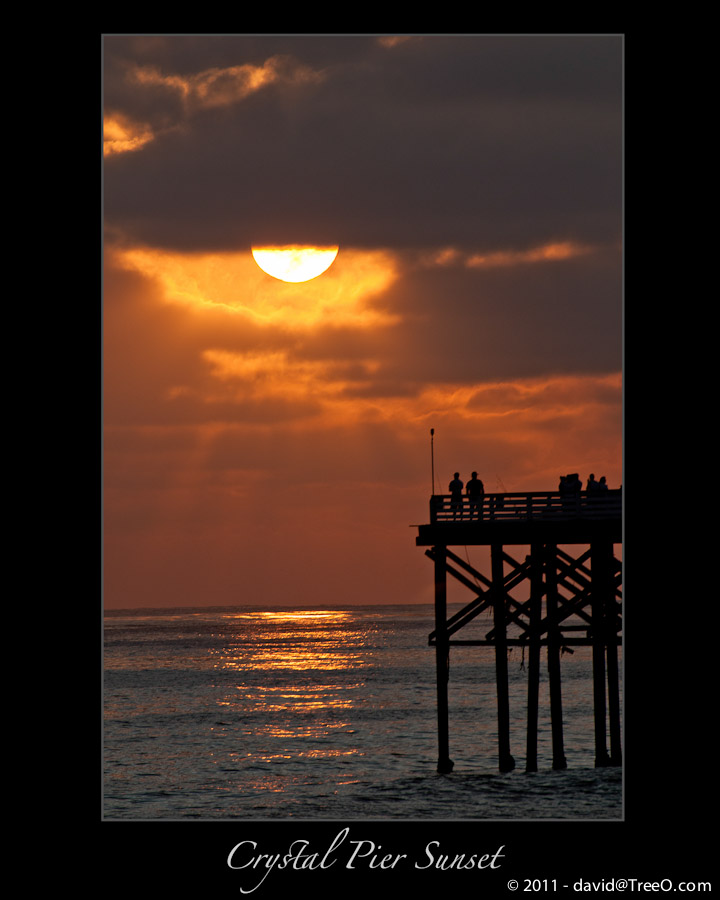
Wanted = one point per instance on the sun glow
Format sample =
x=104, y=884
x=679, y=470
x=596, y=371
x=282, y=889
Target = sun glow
x=233, y=282
x=294, y=264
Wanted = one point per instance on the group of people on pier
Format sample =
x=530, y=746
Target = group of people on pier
x=570, y=487
x=571, y=484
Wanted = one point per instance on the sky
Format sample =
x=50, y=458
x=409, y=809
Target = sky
x=268, y=443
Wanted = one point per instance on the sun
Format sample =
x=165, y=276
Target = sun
x=294, y=263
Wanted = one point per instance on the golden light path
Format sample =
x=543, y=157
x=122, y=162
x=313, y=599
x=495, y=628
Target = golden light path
x=294, y=264
x=283, y=708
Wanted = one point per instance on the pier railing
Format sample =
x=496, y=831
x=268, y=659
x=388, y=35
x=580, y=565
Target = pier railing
x=533, y=506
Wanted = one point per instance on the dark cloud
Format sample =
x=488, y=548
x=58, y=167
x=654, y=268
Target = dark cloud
x=475, y=141
x=469, y=325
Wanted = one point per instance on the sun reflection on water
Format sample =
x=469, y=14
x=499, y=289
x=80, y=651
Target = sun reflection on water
x=294, y=676
x=294, y=616
x=292, y=640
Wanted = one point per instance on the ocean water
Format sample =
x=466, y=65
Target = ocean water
x=246, y=713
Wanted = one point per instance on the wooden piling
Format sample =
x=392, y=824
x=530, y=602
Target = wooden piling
x=604, y=607
x=506, y=761
x=613, y=624
x=534, y=618
x=553, y=658
x=442, y=660
x=614, y=701
x=598, y=607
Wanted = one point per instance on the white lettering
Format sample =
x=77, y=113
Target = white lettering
x=388, y=861
x=460, y=860
x=232, y=854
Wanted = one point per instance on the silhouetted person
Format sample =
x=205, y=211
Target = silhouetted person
x=602, y=486
x=475, y=490
x=456, y=500
x=592, y=485
x=573, y=483
x=570, y=487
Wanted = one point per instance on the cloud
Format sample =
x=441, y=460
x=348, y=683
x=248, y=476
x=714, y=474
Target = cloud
x=178, y=96
x=470, y=142
x=179, y=352
x=560, y=250
x=402, y=321
x=223, y=86
x=234, y=281
x=122, y=135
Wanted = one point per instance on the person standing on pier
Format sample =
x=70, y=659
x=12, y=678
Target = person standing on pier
x=476, y=491
x=573, y=483
x=456, y=499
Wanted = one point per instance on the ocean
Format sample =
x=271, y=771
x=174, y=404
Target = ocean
x=250, y=713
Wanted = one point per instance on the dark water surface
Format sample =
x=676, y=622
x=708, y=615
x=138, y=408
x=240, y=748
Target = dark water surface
x=252, y=713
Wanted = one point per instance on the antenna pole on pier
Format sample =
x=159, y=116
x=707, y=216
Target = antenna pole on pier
x=432, y=461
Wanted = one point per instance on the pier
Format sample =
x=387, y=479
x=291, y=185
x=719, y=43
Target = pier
x=571, y=582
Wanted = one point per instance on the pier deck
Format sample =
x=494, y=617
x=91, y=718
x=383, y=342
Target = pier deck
x=524, y=518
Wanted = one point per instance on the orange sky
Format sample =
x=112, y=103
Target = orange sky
x=268, y=443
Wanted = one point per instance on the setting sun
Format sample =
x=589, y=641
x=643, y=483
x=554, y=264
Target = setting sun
x=294, y=263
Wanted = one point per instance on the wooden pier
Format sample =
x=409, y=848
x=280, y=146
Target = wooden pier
x=573, y=600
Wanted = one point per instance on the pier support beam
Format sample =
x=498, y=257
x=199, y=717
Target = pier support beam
x=442, y=660
x=553, y=657
x=598, y=605
x=506, y=761
x=614, y=706
x=613, y=667
x=534, y=617
x=614, y=698
x=605, y=651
